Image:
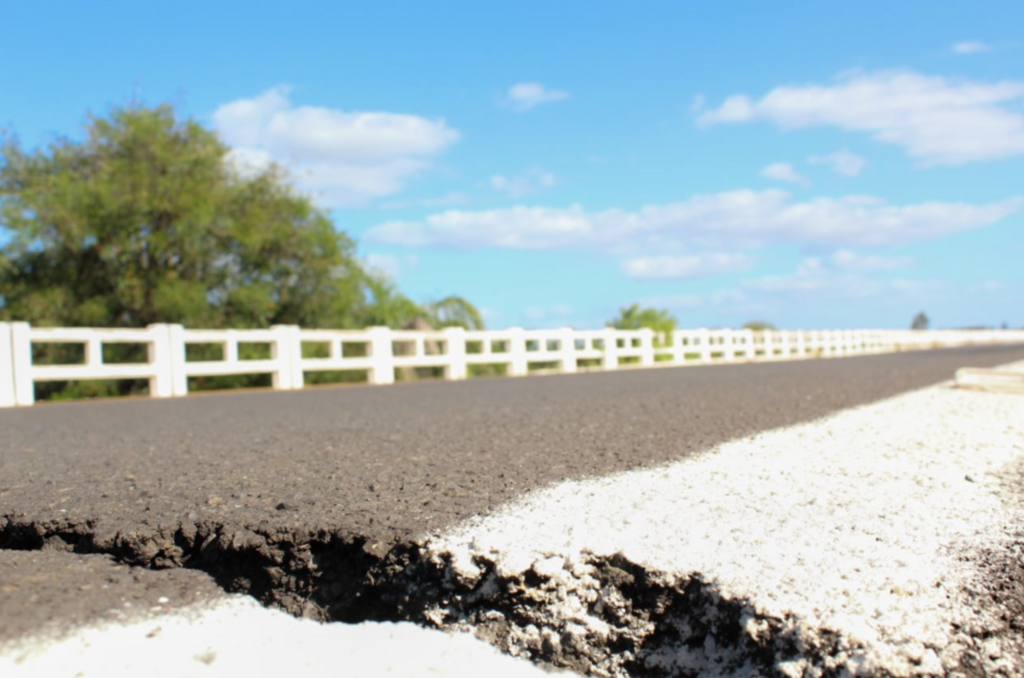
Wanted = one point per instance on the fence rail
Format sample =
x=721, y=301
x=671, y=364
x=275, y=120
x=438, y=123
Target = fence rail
x=379, y=351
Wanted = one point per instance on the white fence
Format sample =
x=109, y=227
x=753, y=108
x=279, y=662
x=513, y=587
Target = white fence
x=379, y=351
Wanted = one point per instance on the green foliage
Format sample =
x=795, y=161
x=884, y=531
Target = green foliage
x=454, y=312
x=387, y=307
x=759, y=326
x=635, y=317
x=146, y=220
x=920, y=322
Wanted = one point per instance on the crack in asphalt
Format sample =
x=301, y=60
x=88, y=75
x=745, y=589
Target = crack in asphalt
x=644, y=622
x=597, y=616
x=640, y=618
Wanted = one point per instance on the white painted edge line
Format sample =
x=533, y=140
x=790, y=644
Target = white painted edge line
x=236, y=636
x=865, y=522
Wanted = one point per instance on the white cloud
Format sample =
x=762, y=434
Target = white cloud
x=383, y=264
x=553, y=312
x=342, y=157
x=250, y=162
x=531, y=181
x=781, y=171
x=733, y=220
x=847, y=260
x=936, y=120
x=728, y=300
x=842, y=162
x=526, y=95
x=821, y=284
x=970, y=47
x=816, y=283
x=534, y=312
x=837, y=298
x=676, y=302
x=388, y=265
x=513, y=228
x=679, y=267
x=446, y=200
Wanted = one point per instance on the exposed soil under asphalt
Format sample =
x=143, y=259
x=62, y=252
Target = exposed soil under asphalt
x=318, y=501
x=1000, y=595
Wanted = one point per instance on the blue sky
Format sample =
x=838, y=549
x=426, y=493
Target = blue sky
x=814, y=164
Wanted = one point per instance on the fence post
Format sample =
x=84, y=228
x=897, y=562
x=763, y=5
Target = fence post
x=21, y=357
x=704, y=341
x=161, y=385
x=176, y=351
x=728, y=344
x=768, y=344
x=281, y=353
x=298, y=378
x=646, y=346
x=824, y=345
x=517, y=365
x=800, y=341
x=610, y=357
x=381, y=355
x=567, y=349
x=678, y=349
x=6, y=367
x=749, y=337
x=455, y=343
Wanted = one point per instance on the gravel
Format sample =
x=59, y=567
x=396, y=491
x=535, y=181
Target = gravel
x=865, y=542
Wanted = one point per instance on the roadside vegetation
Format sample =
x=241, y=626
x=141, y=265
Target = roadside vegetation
x=148, y=219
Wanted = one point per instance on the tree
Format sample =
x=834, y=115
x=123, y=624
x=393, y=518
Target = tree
x=148, y=220
x=759, y=326
x=387, y=307
x=635, y=317
x=454, y=312
x=920, y=322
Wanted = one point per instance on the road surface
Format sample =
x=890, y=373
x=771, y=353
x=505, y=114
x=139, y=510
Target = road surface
x=263, y=490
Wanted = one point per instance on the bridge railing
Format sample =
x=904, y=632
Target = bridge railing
x=288, y=352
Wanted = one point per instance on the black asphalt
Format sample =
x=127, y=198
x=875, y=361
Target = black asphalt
x=44, y=591
x=386, y=465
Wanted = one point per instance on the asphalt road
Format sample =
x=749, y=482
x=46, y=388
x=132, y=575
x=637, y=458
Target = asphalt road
x=140, y=479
